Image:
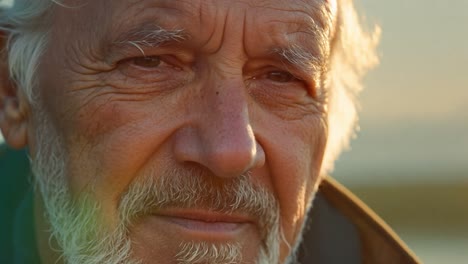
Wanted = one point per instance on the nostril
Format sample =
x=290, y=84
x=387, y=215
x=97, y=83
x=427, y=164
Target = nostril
x=188, y=146
x=227, y=154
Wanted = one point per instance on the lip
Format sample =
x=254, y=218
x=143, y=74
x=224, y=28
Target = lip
x=203, y=221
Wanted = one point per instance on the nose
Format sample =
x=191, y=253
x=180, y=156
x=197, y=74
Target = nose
x=220, y=136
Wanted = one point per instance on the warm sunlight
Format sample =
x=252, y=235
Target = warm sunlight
x=413, y=140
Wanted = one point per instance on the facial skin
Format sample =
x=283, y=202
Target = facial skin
x=216, y=98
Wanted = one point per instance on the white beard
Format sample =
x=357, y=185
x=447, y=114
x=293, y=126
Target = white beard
x=77, y=224
x=74, y=223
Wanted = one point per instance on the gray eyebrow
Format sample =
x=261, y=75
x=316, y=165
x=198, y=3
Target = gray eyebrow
x=150, y=36
x=299, y=57
x=314, y=58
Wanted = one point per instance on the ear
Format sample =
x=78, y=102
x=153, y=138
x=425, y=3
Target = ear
x=13, y=104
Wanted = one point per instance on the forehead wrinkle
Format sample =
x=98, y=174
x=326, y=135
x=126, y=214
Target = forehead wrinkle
x=318, y=11
x=300, y=33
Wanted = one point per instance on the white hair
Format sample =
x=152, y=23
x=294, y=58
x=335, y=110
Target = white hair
x=65, y=214
x=353, y=52
x=26, y=25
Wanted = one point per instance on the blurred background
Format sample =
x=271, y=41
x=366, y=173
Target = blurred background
x=410, y=159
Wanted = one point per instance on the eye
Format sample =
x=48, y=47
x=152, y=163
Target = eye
x=147, y=61
x=281, y=76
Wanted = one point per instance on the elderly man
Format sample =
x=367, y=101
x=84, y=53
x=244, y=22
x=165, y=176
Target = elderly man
x=191, y=131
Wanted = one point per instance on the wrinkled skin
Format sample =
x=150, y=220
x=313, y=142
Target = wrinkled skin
x=218, y=99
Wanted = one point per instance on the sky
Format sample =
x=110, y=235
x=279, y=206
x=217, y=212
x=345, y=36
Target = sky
x=424, y=54
x=414, y=117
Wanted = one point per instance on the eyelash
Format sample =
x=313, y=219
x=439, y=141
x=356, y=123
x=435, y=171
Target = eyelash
x=168, y=61
x=147, y=59
x=163, y=61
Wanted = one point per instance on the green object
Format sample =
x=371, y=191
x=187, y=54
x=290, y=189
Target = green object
x=14, y=184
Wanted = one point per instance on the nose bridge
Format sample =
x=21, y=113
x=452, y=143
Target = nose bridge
x=229, y=145
x=222, y=138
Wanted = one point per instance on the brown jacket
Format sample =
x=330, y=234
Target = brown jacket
x=342, y=229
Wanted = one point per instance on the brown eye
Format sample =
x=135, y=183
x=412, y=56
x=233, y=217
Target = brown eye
x=280, y=76
x=147, y=62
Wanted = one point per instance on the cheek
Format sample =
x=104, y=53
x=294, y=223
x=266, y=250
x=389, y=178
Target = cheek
x=109, y=142
x=294, y=161
x=295, y=187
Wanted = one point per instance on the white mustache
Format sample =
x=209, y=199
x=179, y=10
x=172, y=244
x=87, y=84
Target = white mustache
x=194, y=187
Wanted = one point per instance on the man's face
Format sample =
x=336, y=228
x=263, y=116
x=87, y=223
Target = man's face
x=209, y=96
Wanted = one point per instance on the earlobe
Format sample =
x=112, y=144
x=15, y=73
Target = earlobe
x=13, y=122
x=13, y=106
